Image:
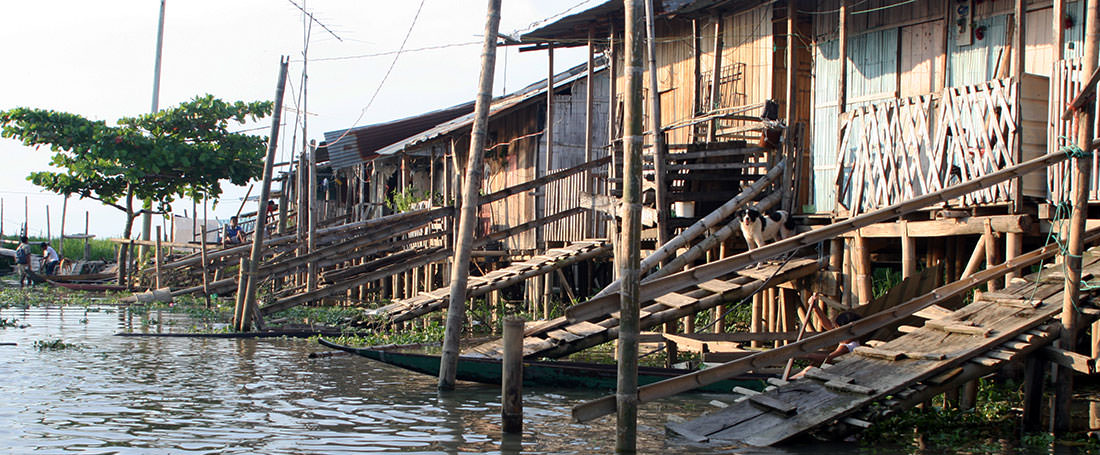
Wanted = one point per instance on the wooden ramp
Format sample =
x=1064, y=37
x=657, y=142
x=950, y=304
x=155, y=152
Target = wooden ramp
x=563, y=336
x=996, y=328
x=553, y=259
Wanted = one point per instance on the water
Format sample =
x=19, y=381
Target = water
x=188, y=395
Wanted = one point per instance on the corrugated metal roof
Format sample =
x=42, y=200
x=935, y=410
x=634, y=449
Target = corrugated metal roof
x=362, y=144
x=499, y=105
x=573, y=29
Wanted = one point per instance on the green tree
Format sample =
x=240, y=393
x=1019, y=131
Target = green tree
x=182, y=151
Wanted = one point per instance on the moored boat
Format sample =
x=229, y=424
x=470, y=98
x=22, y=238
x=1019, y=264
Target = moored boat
x=540, y=373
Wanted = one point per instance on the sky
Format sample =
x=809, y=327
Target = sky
x=96, y=59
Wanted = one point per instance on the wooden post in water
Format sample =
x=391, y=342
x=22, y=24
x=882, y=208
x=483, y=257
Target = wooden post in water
x=660, y=149
x=630, y=266
x=456, y=312
x=251, y=309
x=47, y=222
x=87, y=246
x=1083, y=176
x=61, y=235
x=311, y=228
x=511, y=384
x=202, y=255
x=242, y=287
x=156, y=258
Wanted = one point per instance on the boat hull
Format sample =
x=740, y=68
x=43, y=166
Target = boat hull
x=541, y=374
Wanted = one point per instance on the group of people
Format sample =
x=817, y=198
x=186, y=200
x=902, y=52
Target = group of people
x=50, y=260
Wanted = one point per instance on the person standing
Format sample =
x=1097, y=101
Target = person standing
x=51, y=259
x=23, y=261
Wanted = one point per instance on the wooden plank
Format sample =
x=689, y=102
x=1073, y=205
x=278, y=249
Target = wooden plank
x=876, y=353
x=675, y=300
x=774, y=405
x=584, y=329
x=562, y=335
x=1020, y=224
x=957, y=327
x=717, y=286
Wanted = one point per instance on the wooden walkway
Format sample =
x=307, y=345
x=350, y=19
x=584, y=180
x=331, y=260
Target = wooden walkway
x=554, y=258
x=563, y=336
x=998, y=327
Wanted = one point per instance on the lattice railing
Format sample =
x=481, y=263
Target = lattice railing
x=897, y=149
x=1065, y=84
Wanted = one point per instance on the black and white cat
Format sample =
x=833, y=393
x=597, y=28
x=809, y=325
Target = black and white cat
x=760, y=229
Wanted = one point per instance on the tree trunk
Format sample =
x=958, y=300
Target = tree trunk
x=123, y=248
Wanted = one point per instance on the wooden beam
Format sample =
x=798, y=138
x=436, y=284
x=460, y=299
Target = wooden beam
x=975, y=225
x=1072, y=360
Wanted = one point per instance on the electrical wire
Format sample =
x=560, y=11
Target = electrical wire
x=385, y=76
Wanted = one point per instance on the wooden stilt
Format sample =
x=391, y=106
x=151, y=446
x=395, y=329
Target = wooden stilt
x=202, y=255
x=157, y=259
x=991, y=254
x=908, y=252
x=511, y=387
x=862, y=258
x=1034, y=376
x=715, y=79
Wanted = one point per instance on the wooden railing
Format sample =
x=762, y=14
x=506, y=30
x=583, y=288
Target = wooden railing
x=901, y=148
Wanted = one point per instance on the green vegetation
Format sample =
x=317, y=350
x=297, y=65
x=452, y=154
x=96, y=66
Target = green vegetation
x=402, y=200
x=5, y=323
x=55, y=345
x=432, y=333
x=992, y=425
x=101, y=249
x=182, y=151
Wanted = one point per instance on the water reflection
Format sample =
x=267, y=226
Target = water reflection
x=180, y=395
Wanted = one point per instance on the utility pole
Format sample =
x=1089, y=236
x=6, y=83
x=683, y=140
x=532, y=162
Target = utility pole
x=460, y=270
x=147, y=205
x=251, y=310
x=626, y=395
x=1083, y=175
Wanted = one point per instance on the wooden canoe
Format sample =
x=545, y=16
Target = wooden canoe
x=542, y=374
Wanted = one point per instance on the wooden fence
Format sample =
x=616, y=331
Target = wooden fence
x=894, y=150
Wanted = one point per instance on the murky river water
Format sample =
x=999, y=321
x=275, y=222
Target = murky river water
x=186, y=395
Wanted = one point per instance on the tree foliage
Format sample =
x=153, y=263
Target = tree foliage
x=183, y=151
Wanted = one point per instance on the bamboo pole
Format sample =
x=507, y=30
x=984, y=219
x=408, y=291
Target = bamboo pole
x=456, y=313
x=87, y=246
x=1083, y=177
x=630, y=249
x=61, y=235
x=792, y=89
x=990, y=253
x=908, y=252
x=284, y=199
x=976, y=258
x=660, y=148
x=861, y=257
x=202, y=253
x=47, y=222
x=311, y=227
x=715, y=79
x=157, y=258
x=242, y=288
x=589, y=110
x=251, y=309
